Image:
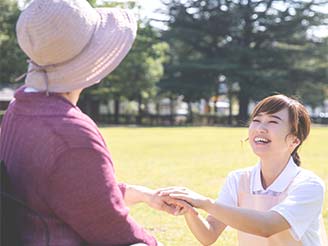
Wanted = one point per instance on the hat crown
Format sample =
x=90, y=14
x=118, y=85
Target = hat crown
x=55, y=31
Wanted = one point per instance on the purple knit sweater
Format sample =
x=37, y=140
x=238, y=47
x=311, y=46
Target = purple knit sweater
x=60, y=166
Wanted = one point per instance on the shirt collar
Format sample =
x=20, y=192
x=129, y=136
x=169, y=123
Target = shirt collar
x=30, y=89
x=281, y=183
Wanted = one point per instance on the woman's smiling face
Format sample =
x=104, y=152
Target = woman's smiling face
x=269, y=134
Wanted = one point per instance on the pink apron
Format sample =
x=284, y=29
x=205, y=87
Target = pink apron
x=263, y=203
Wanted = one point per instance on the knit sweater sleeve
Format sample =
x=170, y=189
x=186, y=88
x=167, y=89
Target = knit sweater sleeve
x=122, y=187
x=83, y=192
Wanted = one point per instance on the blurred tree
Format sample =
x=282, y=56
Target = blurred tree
x=136, y=77
x=263, y=45
x=312, y=94
x=92, y=2
x=190, y=79
x=13, y=60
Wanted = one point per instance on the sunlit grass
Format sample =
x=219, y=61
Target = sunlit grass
x=198, y=158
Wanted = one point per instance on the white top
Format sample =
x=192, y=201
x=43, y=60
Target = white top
x=30, y=89
x=302, y=207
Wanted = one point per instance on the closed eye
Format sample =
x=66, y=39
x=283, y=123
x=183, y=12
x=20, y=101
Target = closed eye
x=256, y=120
x=274, y=122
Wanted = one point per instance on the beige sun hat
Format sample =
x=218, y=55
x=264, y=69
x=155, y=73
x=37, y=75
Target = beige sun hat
x=72, y=45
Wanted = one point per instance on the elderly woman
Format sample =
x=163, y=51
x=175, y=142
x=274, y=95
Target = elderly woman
x=55, y=155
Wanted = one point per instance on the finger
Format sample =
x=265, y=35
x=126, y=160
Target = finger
x=171, y=209
x=181, y=203
x=177, y=204
x=179, y=211
x=169, y=200
x=183, y=208
x=186, y=207
x=168, y=192
x=158, y=191
x=169, y=188
x=181, y=196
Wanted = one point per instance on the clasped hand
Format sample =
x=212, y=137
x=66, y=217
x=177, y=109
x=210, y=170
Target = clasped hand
x=180, y=200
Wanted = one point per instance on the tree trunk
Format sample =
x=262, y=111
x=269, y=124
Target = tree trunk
x=230, y=109
x=157, y=119
x=157, y=107
x=215, y=107
x=171, y=111
x=95, y=110
x=83, y=105
x=90, y=107
x=139, y=118
x=191, y=115
x=243, y=108
x=116, y=110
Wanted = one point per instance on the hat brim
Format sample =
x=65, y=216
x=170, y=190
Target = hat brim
x=112, y=39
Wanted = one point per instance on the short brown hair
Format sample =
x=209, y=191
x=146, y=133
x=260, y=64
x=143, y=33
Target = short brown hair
x=299, y=118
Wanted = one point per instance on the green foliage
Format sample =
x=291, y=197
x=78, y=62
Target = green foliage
x=92, y=2
x=139, y=72
x=312, y=94
x=262, y=45
x=198, y=158
x=123, y=4
x=13, y=60
x=315, y=76
x=142, y=68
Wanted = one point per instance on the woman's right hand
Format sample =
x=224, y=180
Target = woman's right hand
x=172, y=205
x=188, y=196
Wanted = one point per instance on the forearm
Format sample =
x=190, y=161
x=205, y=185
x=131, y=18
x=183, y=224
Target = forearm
x=255, y=222
x=135, y=194
x=201, y=228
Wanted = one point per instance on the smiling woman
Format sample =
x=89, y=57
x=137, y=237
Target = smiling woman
x=275, y=202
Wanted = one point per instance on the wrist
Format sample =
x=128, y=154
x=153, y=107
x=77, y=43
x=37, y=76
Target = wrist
x=207, y=204
x=138, y=194
x=147, y=195
x=191, y=213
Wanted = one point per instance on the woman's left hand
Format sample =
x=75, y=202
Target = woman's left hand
x=169, y=204
x=194, y=199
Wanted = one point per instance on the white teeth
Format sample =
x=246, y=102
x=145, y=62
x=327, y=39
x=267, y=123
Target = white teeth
x=261, y=140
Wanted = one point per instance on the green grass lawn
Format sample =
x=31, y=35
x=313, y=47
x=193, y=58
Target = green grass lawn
x=197, y=157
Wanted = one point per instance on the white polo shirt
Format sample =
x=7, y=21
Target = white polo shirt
x=301, y=208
